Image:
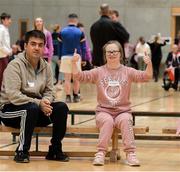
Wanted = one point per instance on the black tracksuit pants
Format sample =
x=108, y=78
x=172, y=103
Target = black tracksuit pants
x=28, y=116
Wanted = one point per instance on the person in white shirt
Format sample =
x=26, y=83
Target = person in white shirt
x=142, y=49
x=5, y=48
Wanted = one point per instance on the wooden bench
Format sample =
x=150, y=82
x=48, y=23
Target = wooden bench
x=153, y=114
x=114, y=153
x=169, y=130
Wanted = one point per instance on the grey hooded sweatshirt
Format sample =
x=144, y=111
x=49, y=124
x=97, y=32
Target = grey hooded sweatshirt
x=22, y=84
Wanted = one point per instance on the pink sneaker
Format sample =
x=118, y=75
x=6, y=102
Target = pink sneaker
x=99, y=159
x=131, y=159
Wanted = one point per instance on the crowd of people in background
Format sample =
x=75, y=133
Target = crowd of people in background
x=61, y=42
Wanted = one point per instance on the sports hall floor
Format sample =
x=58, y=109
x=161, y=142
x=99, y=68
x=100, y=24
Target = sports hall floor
x=154, y=155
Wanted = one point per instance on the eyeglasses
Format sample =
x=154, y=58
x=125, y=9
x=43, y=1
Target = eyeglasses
x=114, y=52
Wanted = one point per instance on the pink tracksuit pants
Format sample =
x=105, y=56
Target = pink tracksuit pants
x=106, y=122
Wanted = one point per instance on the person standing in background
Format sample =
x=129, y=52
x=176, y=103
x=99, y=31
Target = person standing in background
x=142, y=49
x=104, y=30
x=156, y=55
x=58, y=77
x=5, y=47
x=71, y=38
x=88, y=57
x=48, y=50
x=114, y=15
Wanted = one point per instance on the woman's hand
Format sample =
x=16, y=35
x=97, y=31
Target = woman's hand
x=149, y=70
x=147, y=59
x=76, y=56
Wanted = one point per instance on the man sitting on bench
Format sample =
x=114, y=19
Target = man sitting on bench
x=27, y=99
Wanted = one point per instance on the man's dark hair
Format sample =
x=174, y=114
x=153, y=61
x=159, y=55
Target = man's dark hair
x=72, y=16
x=80, y=25
x=115, y=12
x=5, y=15
x=35, y=34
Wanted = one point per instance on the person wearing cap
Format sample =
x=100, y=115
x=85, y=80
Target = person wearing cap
x=5, y=47
x=104, y=30
x=71, y=38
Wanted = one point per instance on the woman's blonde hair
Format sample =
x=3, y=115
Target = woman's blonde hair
x=119, y=47
x=38, y=18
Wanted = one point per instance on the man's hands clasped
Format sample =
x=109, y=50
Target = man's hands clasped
x=46, y=107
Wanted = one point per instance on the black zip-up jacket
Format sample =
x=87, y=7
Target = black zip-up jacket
x=103, y=31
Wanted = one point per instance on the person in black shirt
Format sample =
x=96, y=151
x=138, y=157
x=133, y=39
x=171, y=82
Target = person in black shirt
x=103, y=31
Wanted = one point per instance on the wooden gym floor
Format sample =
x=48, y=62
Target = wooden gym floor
x=154, y=155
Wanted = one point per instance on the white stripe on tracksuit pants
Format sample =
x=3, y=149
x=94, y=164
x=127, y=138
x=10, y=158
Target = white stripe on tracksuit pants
x=15, y=114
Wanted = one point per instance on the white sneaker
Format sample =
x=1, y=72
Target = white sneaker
x=131, y=159
x=99, y=159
